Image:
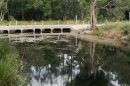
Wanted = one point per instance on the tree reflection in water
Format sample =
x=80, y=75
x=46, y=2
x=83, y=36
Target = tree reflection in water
x=63, y=64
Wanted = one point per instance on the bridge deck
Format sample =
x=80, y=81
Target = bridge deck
x=74, y=27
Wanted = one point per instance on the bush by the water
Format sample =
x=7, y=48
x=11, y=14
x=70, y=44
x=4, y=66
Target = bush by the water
x=10, y=74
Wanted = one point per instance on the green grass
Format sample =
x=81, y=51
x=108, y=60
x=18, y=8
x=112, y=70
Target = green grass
x=113, y=27
x=121, y=25
x=49, y=22
x=10, y=74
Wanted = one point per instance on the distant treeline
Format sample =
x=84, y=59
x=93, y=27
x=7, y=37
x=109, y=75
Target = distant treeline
x=62, y=9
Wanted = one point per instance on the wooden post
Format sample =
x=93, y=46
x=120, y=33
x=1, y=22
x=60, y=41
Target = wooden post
x=42, y=23
x=67, y=21
x=58, y=22
x=83, y=22
x=16, y=23
x=35, y=23
x=10, y=23
x=129, y=16
x=76, y=19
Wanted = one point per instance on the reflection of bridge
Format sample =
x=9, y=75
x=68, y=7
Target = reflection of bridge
x=23, y=33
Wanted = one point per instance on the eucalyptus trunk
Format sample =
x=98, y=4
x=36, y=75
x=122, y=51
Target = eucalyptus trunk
x=93, y=19
x=1, y=16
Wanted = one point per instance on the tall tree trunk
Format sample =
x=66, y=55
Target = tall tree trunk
x=1, y=1
x=82, y=14
x=1, y=16
x=93, y=19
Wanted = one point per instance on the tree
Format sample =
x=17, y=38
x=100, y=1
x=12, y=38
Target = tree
x=93, y=10
x=117, y=9
x=65, y=10
x=70, y=8
x=120, y=9
x=57, y=9
x=3, y=9
x=93, y=19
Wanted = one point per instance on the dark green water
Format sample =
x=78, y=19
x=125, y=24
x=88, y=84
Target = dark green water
x=64, y=64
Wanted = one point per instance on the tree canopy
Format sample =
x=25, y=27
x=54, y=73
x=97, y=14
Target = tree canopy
x=63, y=9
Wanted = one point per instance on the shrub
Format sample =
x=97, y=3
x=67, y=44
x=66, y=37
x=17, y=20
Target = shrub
x=10, y=74
x=113, y=33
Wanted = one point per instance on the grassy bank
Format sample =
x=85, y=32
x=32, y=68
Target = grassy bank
x=49, y=22
x=121, y=25
x=10, y=74
x=114, y=30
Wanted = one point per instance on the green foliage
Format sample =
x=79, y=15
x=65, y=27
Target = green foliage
x=4, y=7
x=9, y=66
x=44, y=9
x=64, y=9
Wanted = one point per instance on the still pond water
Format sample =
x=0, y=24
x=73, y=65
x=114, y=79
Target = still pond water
x=65, y=64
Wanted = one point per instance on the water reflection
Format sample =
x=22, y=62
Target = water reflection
x=63, y=64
